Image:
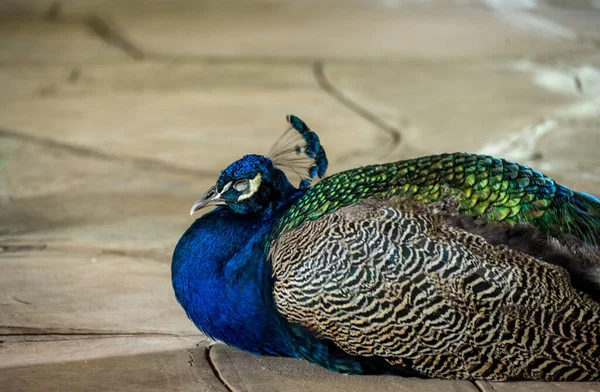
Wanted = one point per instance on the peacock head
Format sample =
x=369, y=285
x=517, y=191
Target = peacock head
x=257, y=183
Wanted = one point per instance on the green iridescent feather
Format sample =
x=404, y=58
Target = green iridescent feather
x=491, y=189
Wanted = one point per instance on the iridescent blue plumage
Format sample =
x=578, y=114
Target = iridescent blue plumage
x=218, y=270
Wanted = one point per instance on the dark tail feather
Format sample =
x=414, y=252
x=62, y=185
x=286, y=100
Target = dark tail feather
x=581, y=262
x=580, y=241
x=582, y=218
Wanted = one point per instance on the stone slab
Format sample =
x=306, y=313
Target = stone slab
x=25, y=9
x=168, y=76
x=580, y=18
x=109, y=364
x=36, y=42
x=328, y=29
x=241, y=371
x=533, y=386
x=333, y=28
x=52, y=292
x=204, y=126
x=360, y=29
x=72, y=199
x=570, y=153
x=446, y=107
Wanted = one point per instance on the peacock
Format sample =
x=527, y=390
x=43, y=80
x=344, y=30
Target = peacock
x=454, y=266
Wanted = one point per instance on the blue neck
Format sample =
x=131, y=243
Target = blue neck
x=222, y=279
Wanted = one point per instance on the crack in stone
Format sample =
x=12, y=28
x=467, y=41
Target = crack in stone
x=111, y=36
x=12, y=248
x=521, y=146
x=86, y=152
x=22, y=301
x=214, y=369
x=578, y=84
x=478, y=385
x=33, y=331
x=191, y=356
x=74, y=74
x=17, y=339
x=157, y=255
x=53, y=12
x=146, y=255
x=82, y=333
x=329, y=88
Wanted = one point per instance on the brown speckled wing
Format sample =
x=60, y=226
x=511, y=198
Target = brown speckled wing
x=395, y=279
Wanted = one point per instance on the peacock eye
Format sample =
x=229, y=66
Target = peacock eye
x=241, y=185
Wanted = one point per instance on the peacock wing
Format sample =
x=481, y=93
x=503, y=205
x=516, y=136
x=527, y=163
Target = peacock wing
x=398, y=280
x=490, y=189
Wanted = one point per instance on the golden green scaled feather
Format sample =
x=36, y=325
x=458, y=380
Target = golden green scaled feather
x=491, y=189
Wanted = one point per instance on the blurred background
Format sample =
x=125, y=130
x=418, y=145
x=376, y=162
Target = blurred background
x=116, y=115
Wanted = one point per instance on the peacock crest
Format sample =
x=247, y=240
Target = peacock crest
x=299, y=150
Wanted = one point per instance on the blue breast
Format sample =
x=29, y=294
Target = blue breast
x=222, y=279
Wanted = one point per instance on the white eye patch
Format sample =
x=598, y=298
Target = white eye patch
x=249, y=187
x=242, y=185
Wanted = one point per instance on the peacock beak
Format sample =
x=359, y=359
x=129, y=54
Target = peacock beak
x=211, y=197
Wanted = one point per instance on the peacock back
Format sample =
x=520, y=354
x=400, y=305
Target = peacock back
x=491, y=189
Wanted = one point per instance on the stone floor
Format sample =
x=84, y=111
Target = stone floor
x=117, y=114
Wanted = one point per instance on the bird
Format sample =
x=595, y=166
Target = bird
x=452, y=266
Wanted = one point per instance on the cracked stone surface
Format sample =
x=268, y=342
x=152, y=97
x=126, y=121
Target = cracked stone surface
x=241, y=371
x=20, y=42
x=343, y=29
x=68, y=292
x=116, y=115
x=70, y=200
x=184, y=126
x=108, y=364
x=533, y=386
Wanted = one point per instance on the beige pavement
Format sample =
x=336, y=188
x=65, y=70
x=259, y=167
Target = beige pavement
x=117, y=114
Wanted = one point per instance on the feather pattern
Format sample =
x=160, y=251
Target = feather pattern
x=491, y=189
x=395, y=279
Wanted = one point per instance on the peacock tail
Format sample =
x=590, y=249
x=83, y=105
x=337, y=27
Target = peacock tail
x=397, y=279
x=491, y=189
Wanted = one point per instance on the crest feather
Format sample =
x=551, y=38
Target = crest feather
x=299, y=150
